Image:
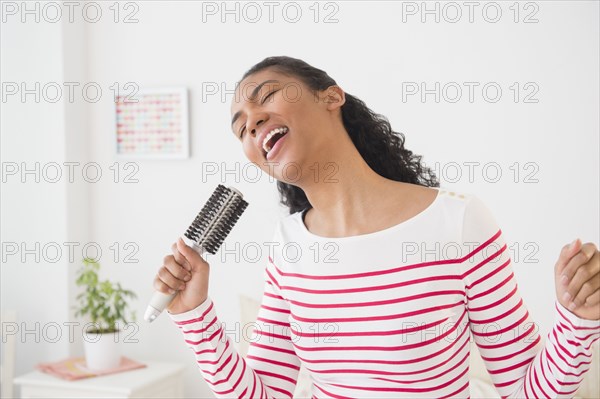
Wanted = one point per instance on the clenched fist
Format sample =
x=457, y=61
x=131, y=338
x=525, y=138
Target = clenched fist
x=184, y=273
x=577, y=277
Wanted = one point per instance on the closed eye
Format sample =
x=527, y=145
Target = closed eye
x=267, y=96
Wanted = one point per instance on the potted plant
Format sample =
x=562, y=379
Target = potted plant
x=105, y=303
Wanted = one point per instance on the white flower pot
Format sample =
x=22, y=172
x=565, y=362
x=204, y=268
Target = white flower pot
x=102, y=351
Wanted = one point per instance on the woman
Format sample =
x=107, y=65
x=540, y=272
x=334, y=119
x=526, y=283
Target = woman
x=412, y=270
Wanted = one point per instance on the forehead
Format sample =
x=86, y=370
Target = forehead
x=244, y=90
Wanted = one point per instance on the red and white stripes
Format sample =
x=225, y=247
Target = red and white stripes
x=384, y=321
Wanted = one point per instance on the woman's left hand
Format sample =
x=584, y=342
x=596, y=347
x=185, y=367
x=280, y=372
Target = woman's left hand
x=577, y=277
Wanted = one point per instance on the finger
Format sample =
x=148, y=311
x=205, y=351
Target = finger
x=587, y=289
x=585, y=275
x=172, y=273
x=175, y=268
x=593, y=300
x=160, y=286
x=170, y=280
x=189, y=253
x=566, y=253
x=180, y=258
x=584, y=255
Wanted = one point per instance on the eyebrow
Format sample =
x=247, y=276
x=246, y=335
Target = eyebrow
x=254, y=93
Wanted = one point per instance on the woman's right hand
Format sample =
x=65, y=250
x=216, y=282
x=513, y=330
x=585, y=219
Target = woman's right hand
x=186, y=273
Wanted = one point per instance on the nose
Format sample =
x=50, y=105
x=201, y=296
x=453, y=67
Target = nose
x=254, y=121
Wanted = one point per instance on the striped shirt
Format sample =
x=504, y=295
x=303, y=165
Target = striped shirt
x=391, y=314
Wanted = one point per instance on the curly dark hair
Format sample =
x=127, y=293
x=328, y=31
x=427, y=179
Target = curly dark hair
x=381, y=148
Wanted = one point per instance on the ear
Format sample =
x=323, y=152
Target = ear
x=334, y=97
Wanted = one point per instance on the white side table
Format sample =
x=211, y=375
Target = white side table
x=156, y=380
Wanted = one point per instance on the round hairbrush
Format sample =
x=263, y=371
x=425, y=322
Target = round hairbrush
x=206, y=234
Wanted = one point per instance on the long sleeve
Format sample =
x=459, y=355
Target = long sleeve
x=271, y=367
x=519, y=364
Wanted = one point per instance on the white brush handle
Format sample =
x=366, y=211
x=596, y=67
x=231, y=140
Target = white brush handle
x=160, y=301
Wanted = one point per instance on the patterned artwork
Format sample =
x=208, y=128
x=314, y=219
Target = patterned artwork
x=153, y=124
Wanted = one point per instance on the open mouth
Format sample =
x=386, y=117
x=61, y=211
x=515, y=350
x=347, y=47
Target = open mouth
x=272, y=138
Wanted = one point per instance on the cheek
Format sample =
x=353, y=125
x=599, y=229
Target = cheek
x=250, y=150
x=305, y=117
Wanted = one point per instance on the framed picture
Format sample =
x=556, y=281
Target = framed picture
x=152, y=123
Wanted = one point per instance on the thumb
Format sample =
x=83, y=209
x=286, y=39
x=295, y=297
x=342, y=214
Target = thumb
x=189, y=253
x=574, y=247
x=566, y=254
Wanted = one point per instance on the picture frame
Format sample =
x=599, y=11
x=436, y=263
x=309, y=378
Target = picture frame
x=152, y=123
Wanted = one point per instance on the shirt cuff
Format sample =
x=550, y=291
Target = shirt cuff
x=200, y=313
x=574, y=320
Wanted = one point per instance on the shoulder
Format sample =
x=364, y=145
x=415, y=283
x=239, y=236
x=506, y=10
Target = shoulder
x=470, y=218
x=452, y=202
x=423, y=194
x=478, y=220
x=468, y=211
x=463, y=201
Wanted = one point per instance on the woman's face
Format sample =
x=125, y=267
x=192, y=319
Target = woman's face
x=268, y=100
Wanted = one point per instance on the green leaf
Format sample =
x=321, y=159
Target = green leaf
x=102, y=301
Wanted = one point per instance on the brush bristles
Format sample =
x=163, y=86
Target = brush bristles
x=216, y=219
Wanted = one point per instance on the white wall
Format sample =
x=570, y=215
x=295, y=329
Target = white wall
x=40, y=210
x=370, y=52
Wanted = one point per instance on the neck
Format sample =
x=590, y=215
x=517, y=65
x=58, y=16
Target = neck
x=342, y=188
